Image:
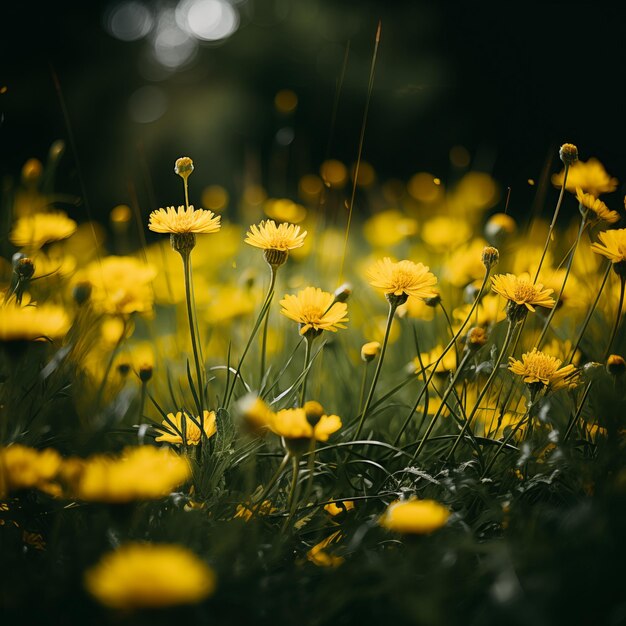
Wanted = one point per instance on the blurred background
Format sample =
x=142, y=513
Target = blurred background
x=262, y=92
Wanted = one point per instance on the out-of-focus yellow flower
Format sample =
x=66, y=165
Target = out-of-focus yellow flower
x=474, y=192
x=34, y=231
x=228, y=303
x=27, y=468
x=445, y=365
x=597, y=206
x=402, y=278
x=416, y=308
x=388, y=228
x=184, y=220
x=32, y=323
x=539, y=368
x=140, y=473
x=143, y=576
x=418, y=517
x=466, y=263
x=172, y=430
x=121, y=285
x=589, y=175
x=488, y=312
x=612, y=245
x=293, y=424
x=423, y=188
x=443, y=233
x=314, y=310
x=319, y=556
x=334, y=173
x=338, y=507
x=245, y=511
x=284, y=210
x=53, y=263
x=256, y=413
x=521, y=291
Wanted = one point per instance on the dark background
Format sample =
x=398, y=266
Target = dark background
x=508, y=82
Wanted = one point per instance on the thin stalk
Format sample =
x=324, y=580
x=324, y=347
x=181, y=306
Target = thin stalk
x=270, y=295
x=363, y=382
x=381, y=358
x=506, y=440
x=590, y=312
x=553, y=223
x=109, y=365
x=310, y=467
x=576, y=417
x=447, y=392
x=305, y=371
x=483, y=392
x=291, y=502
x=443, y=354
x=618, y=317
x=568, y=269
x=449, y=323
x=270, y=484
x=186, y=256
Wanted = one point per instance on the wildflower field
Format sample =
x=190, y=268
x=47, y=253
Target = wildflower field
x=296, y=410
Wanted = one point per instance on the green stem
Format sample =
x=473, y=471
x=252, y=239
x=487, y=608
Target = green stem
x=443, y=354
x=310, y=467
x=590, y=312
x=363, y=382
x=618, y=318
x=447, y=392
x=254, y=508
x=483, y=392
x=553, y=223
x=449, y=322
x=370, y=395
x=305, y=371
x=186, y=256
x=575, y=418
x=107, y=371
x=568, y=269
x=270, y=294
x=291, y=502
x=505, y=441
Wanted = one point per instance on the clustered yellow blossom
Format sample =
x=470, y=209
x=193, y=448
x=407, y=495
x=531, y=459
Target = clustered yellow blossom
x=144, y=575
x=589, y=175
x=314, y=310
x=538, y=368
x=22, y=467
x=184, y=220
x=173, y=428
x=612, y=245
x=521, y=291
x=139, y=473
x=419, y=517
x=268, y=236
x=403, y=278
x=39, y=229
x=596, y=206
x=32, y=323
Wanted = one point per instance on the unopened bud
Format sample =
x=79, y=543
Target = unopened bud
x=433, y=301
x=313, y=411
x=183, y=167
x=24, y=268
x=370, y=350
x=490, y=257
x=615, y=365
x=476, y=338
x=343, y=292
x=568, y=153
x=145, y=373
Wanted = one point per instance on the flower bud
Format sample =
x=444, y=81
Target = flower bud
x=313, y=411
x=145, y=373
x=82, y=292
x=24, y=268
x=498, y=227
x=183, y=167
x=433, y=301
x=370, y=350
x=568, y=153
x=476, y=338
x=490, y=257
x=615, y=365
x=342, y=293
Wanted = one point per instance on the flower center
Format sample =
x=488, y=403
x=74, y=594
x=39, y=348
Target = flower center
x=524, y=292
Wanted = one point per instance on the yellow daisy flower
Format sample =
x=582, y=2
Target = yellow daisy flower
x=589, y=175
x=612, y=245
x=598, y=207
x=184, y=220
x=293, y=424
x=193, y=436
x=32, y=323
x=414, y=516
x=138, y=575
x=520, y=291
x=34, y=231
x=275, y=241
x=314, y=310
x=544, y=370
x=402, y=279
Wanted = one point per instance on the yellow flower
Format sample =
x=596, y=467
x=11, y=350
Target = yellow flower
x=34, y=231
x=142, y=575
x=612, y=245
x=589, y=175
x=402, y=278
x=32, y=323
x=488, y=312
x=268, y=236
x=314, y=310
x=338, y=507
x=388, y=228
x=597, y=206
x=319, y=556
x=140, y=473
x=539, y=368
x=121, y=285
x=443, y=233
x=245, y=511
x=184, y=220
x=293, y=424
x=416, y=308
x=445, y=365
x=173, y=434
x=466, y=263
x=284, y=210
x=27, y=468
x=521, y=291
x=418, y=517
